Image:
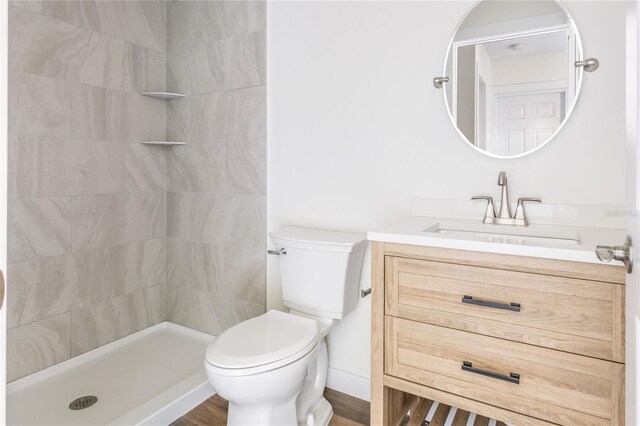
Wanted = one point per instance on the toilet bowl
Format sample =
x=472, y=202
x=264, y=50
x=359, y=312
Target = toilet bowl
x=273, y=368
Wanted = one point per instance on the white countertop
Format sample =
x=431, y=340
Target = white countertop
x=410, y=230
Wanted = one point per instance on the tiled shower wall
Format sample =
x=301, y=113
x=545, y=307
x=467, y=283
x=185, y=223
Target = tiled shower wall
x=216, y=202
x=87, y=208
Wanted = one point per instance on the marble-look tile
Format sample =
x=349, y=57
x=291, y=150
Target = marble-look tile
x=144, y=69
x=195, y=265
x=230, y=220
x=32, y=166
x=98, y=169
x=177, y=25
x=144, y=264
x=139, y=22
x=38, y=227
x=88, y=112
x=197, y=168
x=194, y=309
x=47, y=167
x=37, y=345
x=32, y=5
x=232, y=63
x=146, y=167
x=217, y=20
x=245, y=274
x=93, y=326
x=164, y=299
x=100, y=276
x=40, y=288
x=38, y=106
x=104, y=322
x=139, y=310
x=238, y=62
x=246, y=168
x=189, y=71
x=102, y=64
x=231, y=311
x=206, y=217
x=171, y=296
x=96, y=222
x=178, y=120
x=176, y=73
x=178, y=213
x=81, y=13
x=49, y=47
x=108, y=220
x=14, y=185
x=135, y=118
x=178, y=299
x=237, y=115
x=42, y=45
x=144, y=216
x=208, y=312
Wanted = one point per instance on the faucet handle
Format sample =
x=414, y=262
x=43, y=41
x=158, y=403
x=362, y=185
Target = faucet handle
x=520, y=215
x=491, y=212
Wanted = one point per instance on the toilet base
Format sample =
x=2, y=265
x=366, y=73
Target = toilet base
x=320, y=414
x=313, y=408
x=290, y=395
x=272, y=413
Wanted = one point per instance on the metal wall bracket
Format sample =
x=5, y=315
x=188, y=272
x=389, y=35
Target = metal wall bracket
x=438, y=82
x=589, y=65
x=623, y=253
x=281, y=252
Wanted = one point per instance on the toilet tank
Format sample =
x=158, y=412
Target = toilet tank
x=320, y=272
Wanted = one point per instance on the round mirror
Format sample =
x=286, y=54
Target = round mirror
x=512, y=76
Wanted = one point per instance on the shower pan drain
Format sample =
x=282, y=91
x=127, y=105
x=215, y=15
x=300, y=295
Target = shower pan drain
x=83, y=402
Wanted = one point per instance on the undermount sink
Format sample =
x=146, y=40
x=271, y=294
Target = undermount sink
x=533, y=235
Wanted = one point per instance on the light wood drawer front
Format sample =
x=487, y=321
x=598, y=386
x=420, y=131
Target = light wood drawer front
x=573, y=315
x=553, y=386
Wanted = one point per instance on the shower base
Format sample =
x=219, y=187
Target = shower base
x=151, y=377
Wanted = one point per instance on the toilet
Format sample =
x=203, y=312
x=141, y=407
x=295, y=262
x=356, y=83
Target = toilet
x=273, y=368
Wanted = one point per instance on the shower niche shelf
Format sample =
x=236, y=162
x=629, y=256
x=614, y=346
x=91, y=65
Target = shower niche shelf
x=163, y=95
x=162, y=143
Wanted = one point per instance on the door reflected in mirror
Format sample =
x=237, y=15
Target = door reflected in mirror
x=513, y=80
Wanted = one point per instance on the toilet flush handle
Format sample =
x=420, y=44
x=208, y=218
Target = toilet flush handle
x=280, y=252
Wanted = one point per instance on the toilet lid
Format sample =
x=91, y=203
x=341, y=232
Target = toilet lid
x=263, y=340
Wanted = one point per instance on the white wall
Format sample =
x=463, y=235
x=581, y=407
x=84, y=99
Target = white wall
x=491, y=12
x=530, y=69
x=356, y=128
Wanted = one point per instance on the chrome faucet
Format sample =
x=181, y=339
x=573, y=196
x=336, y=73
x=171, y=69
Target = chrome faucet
x=504, y=215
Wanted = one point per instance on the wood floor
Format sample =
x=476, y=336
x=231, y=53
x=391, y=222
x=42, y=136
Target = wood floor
x=347, y=411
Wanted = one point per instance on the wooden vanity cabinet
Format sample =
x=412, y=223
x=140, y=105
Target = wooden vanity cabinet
x=523, y=340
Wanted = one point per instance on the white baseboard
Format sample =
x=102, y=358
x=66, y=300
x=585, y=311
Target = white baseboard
x=348, y=383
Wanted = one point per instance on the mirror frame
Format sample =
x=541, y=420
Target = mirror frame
x=579, y=57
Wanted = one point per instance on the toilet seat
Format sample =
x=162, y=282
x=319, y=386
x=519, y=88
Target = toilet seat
x=263, y=343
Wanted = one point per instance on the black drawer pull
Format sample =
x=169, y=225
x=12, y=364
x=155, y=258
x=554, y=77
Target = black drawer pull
x=511, y=378
x=510, y=307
